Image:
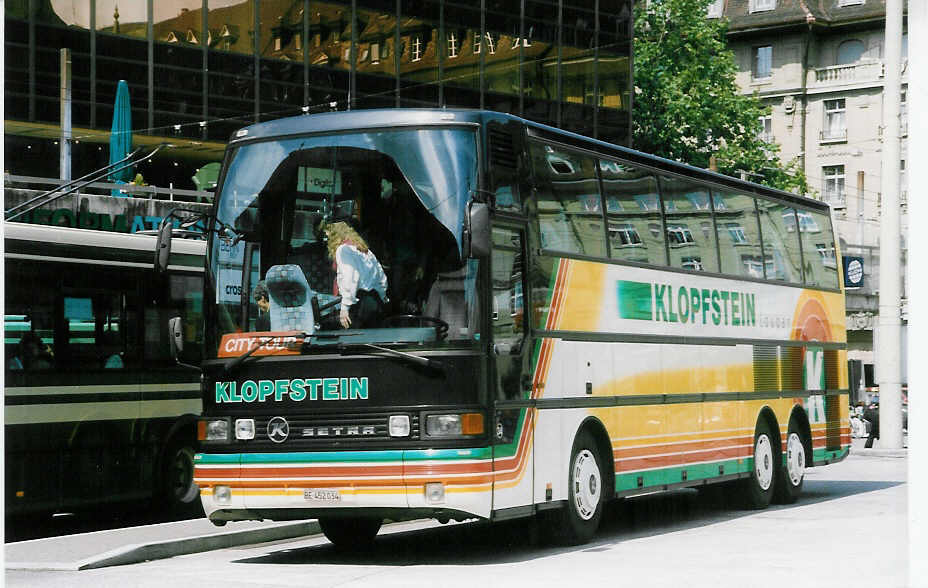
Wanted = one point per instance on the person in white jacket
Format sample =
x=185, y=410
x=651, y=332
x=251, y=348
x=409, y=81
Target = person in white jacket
x=361, y=280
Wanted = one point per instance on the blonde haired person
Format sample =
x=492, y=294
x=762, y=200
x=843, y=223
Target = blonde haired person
x=361, y=280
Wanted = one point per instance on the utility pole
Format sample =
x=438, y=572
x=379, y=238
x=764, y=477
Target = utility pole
x=64, y=160
x=889, y=365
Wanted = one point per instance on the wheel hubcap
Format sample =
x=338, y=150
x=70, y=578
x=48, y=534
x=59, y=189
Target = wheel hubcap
x=763, y=462
x=795, y=459
x=587, y=484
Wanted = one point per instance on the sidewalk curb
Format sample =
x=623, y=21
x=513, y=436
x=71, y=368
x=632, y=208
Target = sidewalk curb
x=141, y=552
x=895, y=453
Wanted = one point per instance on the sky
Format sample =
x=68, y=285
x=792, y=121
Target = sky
x=77, y=12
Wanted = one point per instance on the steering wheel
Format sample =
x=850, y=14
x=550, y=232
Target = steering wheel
x=415, y=320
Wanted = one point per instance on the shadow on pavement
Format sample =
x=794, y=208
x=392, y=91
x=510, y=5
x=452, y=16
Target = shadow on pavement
x=516, y=541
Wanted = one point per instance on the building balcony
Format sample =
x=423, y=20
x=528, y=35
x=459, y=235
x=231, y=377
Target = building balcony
x=853, y=74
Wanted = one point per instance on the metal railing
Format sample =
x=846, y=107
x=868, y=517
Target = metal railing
x=106, y=189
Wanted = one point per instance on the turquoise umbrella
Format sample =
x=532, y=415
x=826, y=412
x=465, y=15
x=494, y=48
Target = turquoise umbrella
x=121, y=135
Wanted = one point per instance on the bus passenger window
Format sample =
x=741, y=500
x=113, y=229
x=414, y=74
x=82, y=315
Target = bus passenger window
x=569, y=209
x=738, y=234
x=781, y=241
x=689, y=225
x=633, y=213
x=818, y=249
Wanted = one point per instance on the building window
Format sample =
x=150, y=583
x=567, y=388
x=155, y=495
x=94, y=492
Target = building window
x=452, y=44
x=715, y=9
x=763, y=62
x=679, y=235
x=835, y=124
x=850, y=52
x=491, y=43
x=624, y=234
x=834, y=184
x=903, y=115
x=416, y=48
x=762, y=5
x=765, y=131
x=476, y=42
x=692, y=262
x=736, y=232
x=375, y=53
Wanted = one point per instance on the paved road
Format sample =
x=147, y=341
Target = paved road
x=848, y=529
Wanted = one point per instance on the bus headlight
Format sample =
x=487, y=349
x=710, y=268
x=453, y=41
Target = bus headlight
x=454, y=425
x=213, y=430
x=244, y=428
x=399, y=425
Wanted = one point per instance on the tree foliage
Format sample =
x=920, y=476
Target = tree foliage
x=687, y=105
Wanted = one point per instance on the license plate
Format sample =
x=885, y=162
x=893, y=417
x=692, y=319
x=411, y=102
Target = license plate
x=322, y=494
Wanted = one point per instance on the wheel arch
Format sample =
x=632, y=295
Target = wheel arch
x=768, y=417
x=801, y=418
x=597, y=430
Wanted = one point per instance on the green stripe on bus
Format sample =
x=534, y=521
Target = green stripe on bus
x=674, y=475
x=635, y=301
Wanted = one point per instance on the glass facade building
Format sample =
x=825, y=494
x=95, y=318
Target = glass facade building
x=199, y=69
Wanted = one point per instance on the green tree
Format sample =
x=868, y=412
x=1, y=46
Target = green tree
x=687, y=105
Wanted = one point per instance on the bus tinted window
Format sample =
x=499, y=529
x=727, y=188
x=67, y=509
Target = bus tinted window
x=781, y=241
x=739, y=236
x=690, y=233
x=633, y=214
x=569, y=211
x=818, y=249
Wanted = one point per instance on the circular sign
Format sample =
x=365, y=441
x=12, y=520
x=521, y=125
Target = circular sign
x=855, y=272
x=278, y=430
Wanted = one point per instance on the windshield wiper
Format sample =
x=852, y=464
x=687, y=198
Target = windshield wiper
x=410, y=357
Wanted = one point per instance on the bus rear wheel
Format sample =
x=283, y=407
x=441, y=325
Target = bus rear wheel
x=789, y=484
x=758, y=488
x=578, y=521
x=352, y=533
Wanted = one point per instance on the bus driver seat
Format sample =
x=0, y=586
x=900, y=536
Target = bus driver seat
x=290, y=299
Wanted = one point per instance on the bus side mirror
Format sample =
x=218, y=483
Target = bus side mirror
x=176, y=336
x=163, y=246
x=478, y=230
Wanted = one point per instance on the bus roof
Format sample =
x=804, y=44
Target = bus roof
x=70, y=244
x=330, y=122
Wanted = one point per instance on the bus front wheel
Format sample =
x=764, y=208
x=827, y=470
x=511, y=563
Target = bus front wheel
x=351, y=533
x=180, y=492
x=578, y=520
x=758, y=488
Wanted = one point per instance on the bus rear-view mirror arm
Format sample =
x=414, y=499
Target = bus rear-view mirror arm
x=477, y=232
x=176, y=341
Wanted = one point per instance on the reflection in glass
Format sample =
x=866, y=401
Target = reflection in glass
x=781, y=242
x=818, y=249
x=687, y=213
x=738, y=234
x=568, y=202
x=633, y=213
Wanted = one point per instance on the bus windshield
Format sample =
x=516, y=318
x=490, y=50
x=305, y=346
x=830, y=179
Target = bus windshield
x=352, y=238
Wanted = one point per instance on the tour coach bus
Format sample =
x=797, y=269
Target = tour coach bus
x=565, y=321
x=95, y=409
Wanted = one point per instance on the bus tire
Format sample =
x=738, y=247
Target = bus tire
x=578, y=521
x=350, y=534
x=792, y=473
x=180, y=492
x=758, y=488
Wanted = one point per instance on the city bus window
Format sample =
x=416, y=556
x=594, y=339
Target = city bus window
x=818, y=249
x=738, y=234
x=569, y=210
x=688, y=216
x=633, y=213
x=781, y=241
x=28, y=321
